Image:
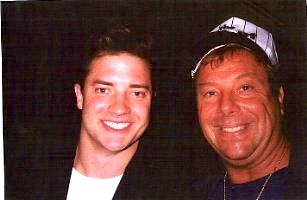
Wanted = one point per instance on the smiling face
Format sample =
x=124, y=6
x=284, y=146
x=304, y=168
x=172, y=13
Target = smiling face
x=115, y=102
x=238, y=115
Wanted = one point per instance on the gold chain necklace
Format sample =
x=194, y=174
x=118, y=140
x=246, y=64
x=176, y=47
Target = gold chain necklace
x=266, y=181
x=260, y=193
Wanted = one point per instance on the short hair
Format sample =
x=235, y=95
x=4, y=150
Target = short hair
x=273, y=71
x=121, y=39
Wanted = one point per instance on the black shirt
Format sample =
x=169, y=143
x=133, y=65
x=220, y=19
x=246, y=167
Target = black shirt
x=273, y=189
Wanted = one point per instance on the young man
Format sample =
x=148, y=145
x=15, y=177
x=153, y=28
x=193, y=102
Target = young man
x=115, y=100
x=240, y=107
x=104, y=158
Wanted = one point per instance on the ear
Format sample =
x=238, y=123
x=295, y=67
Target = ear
x=79, y=96
x=281, y=100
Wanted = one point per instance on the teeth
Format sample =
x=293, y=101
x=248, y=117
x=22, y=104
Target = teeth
x=233, y=129
x=115, y=125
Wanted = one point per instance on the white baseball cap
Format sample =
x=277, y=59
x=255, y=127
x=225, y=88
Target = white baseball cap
x=243, y=32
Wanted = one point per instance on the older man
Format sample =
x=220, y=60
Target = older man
x=240, y=102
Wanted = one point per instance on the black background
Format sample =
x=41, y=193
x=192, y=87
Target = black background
x=42, y=44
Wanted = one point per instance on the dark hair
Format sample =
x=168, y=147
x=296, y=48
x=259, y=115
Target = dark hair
x=272, y=71
x=121, y=39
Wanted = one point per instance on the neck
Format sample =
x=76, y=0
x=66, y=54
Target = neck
x=100, y=162
x=277, y=159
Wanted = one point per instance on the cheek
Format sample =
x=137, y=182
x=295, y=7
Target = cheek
x=264, y=113
x=95, y=104
x=205, y=110
x=205, y=117
x=258, y=108
x=141, y=109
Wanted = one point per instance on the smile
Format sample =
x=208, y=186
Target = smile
x=116, y=125
x=233, y=129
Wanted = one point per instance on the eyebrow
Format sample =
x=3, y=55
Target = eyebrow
x=103, y=82
x=140, y=86
x=247, y=75
x=145, y=86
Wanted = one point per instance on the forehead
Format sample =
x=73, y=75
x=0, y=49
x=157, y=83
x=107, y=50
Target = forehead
x=237, y=62
x=119, y=63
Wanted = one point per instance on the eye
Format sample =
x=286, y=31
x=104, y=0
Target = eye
x=209, y=93
x=245, y=88
x=101, y=90
x=139, y=94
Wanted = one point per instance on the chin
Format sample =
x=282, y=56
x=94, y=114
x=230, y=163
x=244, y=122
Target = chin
x=235, y=154
x=116, y=148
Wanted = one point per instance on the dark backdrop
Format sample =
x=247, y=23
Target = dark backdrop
x=42, y=44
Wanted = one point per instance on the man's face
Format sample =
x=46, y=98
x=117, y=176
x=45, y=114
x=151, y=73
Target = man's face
x=237, y=112
x=115, y=101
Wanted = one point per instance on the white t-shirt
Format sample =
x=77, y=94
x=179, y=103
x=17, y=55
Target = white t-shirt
x=83, y=187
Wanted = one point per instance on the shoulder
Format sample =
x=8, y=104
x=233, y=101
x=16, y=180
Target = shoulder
x=142, y=178
x=295, y=187
x=297, y=175
x=207, y=187
x=35, y=162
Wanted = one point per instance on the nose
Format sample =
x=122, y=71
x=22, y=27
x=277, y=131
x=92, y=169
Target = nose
x=119, y=105
x=229, y=104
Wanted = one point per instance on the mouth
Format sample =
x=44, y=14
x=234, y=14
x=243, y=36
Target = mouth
x=116, y=125
x=233, y=129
